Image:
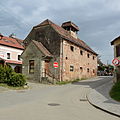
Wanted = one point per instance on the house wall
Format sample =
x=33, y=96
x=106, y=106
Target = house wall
x=51, y=41
x=77, y=60
x=60, y=49
x=117, y=74
x=32, y=53
x=13, y=52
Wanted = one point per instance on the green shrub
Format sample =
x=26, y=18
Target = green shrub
x=5, y=73
x=2, y=74
x=115, y=91
x=17, y=80
x=8, y=73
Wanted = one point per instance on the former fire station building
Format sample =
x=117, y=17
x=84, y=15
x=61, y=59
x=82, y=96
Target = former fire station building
x=48, y=43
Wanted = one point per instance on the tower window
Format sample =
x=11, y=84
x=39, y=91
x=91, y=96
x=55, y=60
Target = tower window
x=93, y=57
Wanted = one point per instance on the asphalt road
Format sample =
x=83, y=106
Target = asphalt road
x=48, y=102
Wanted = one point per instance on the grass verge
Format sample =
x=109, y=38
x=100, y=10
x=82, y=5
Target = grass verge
x=115, y=91
x=13, y=88
x=67, y=82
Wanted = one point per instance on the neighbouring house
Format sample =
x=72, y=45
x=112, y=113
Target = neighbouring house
x=116, y=44
x=10, y=52
x=48, y=44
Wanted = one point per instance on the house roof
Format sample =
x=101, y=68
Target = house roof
x=66, y=35
x=11, y=42
x=40, y=46
x=112, y=43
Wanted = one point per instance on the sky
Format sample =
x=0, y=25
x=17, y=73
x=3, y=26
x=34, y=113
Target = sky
x=99, y=21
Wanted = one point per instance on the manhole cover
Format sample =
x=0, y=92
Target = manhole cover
x=53, y=104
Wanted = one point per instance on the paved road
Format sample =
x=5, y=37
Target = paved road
x=47, y=102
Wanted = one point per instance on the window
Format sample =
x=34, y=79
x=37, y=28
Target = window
x=88, y=55
x=71, y=68
x=81, y=69
x=93, y=57
x=8, y=55
x=81, y=52
x=118, y=50
x=19, y=57
x=31, y=66
x=93, y=71
x=72, y=48
x=88, y=70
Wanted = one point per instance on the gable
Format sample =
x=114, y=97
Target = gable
x=31, y=51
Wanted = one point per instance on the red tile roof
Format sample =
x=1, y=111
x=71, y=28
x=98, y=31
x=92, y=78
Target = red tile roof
x=66, y=35
x=11, y=42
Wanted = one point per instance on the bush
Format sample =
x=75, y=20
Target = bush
x=2, y=74
x=8, y=73
x=5, y=73
x=8, y=76
x=17, y=80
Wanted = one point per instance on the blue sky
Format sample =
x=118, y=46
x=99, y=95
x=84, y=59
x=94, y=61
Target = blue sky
x=98, y=20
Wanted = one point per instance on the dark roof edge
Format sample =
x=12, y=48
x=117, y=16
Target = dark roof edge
x=112, y=43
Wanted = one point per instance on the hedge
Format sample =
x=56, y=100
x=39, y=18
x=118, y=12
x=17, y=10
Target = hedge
x=8, y=76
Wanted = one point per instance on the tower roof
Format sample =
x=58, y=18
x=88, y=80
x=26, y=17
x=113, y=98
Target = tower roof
x=70, y=24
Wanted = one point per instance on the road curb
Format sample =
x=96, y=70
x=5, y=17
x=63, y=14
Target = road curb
x=101, y=108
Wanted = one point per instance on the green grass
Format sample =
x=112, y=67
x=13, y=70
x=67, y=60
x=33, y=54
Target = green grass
x=115, y=92
x=12, y=88
x=67, y=82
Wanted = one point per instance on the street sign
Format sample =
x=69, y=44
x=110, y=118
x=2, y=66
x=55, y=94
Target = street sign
x=115, y=62
x=55, y=64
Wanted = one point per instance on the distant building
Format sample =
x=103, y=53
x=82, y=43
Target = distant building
x=116, y=43
x=48, y=43
x=10, y=52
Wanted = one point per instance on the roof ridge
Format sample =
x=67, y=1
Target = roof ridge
x=47, y=21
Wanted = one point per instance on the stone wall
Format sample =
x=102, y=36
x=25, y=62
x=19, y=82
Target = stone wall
x=84, y=67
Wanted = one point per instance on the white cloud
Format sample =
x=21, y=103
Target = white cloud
x=98, y=20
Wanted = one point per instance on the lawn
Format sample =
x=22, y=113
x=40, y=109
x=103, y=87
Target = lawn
x=115, y=91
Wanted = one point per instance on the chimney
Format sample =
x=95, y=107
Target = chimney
x=71, y=27
x=1, y=36
x=12, y=35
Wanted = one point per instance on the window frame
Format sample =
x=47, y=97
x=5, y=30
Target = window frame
x=71, y=68
x=8, y=55
x=72, y=48
x=81, y=52
x=19, y=57
x=31, y=66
